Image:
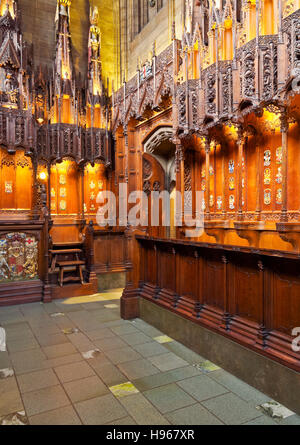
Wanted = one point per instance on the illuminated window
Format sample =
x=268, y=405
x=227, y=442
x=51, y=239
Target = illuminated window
x=160, y=4
x=142, y=14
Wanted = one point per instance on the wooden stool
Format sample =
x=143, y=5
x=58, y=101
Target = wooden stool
x=65, y=264
x=54, y=254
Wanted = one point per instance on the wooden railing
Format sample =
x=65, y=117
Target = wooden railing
x=251, y=296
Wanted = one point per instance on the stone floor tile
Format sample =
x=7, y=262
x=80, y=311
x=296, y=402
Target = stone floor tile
x=99, y=360
x=105, y=315
x=240, y=388
x=52, y=339
x=112, y=324
x=60, y=361
x=100, y=410
x=125, y=421
x=166, y=362
x=150, y=349
x=81, y=342
x=123, y=390
x=262, y=420
x=64, y=323
x=163, y=339
x=22, y=344
x=40, y=326
x=18, y=331
x=59, y=350
x=74, y=371
x=46, y=399
x=11, y=318
x=108, y=344
x=231, y=409
x=136, y=339
x=292, y=420
x=28, y=361
x=206, y=366
x=67, y=308
x=60, y=416
x=138, y=369
x=85, y=389
x=202, y=387
x=99, y=334
x=169, y=398
x=33, y=381
x=50, y=308
x=10, y=399
x=142, y=411
x=109, y=373
x=126, y=329
x=5, y=360
x=146, y=328
x=184, y=352
x=123, y=355
x=193, y=415
x=164, y=378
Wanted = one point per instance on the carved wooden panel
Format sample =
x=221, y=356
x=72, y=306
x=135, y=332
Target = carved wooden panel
x=246, y=290
x=285, y=297
x=213, y=279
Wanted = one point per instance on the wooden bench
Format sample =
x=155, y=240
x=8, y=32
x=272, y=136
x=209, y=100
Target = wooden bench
x=63, y=265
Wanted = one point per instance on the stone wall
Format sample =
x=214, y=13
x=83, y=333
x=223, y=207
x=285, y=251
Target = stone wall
x=38, y=26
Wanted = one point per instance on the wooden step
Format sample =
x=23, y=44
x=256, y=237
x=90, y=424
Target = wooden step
x=65, y=251
x=70, y=263
x=67, y=245
x=19, y=292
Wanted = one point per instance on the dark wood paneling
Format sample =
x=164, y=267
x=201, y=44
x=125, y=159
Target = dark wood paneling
x=253, y=297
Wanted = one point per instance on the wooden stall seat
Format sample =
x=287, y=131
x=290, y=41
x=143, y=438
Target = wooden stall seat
x=67, y=258
x=65, y=265
x=56, y=253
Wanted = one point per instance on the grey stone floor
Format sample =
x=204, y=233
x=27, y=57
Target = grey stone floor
x=77, y=362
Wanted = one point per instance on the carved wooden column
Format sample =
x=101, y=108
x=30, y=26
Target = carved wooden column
x=179, y=161
x=226, y=319
x=223, y=186
x=241, y=143
x=130, y=296
x=258, y=181
x=262, y=332
x=47, y=294
x=125, y=132
x=89, y=252
x=81, y=194
x=49, y=188
x=284, y=128
x=207, y=176
x=36, y=204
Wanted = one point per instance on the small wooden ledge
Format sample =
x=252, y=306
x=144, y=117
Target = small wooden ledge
x=250, y=231
x=215, y=228
x=290, y=233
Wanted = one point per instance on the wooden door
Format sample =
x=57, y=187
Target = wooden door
x=153, y=180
